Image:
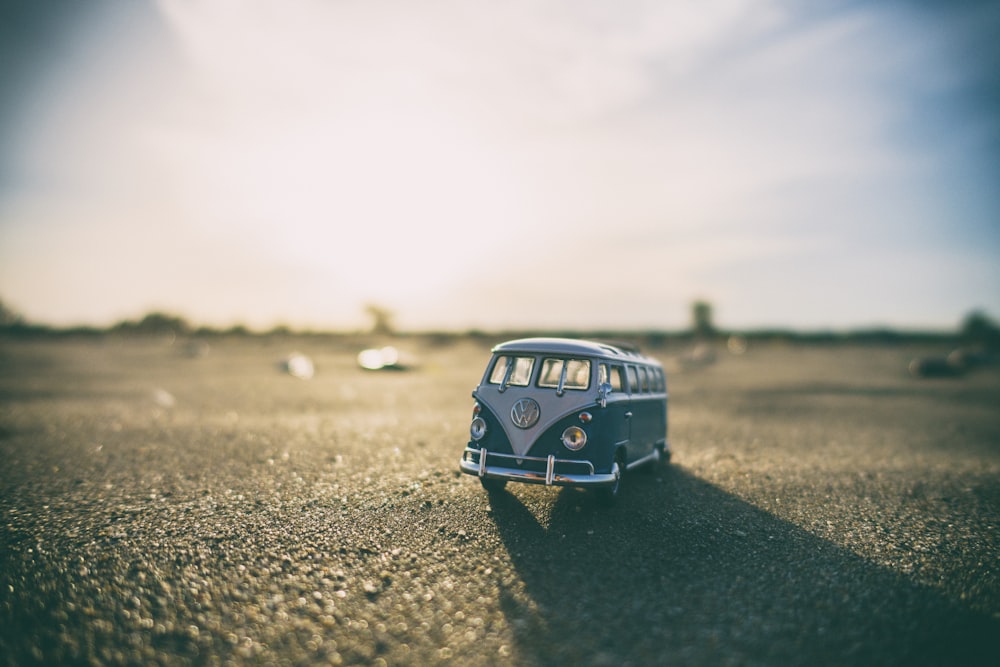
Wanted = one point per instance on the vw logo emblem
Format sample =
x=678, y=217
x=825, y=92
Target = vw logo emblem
x=525, y=413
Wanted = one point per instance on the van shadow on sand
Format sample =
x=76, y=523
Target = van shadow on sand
x=681, y=572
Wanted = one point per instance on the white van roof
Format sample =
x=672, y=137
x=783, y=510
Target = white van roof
x=573, y=346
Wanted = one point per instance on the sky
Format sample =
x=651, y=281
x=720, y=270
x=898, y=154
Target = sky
x=476, y=164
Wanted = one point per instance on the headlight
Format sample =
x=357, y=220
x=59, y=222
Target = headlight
x=574, y=438
x=478, y=428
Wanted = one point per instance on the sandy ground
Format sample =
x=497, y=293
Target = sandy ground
x=162, y=503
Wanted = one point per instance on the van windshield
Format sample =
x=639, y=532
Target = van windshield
x=512, y=371
x=565, y=374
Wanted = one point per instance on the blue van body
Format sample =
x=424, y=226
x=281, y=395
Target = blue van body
x=565, y=412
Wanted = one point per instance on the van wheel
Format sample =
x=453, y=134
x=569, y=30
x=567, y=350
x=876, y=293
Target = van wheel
x=664, y=455
x=609, y=494
x=493, y=485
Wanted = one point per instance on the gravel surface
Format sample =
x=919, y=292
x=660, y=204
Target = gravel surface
x=168, y=503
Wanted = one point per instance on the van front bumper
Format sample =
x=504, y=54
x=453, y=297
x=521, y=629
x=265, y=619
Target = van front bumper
x=492, y=465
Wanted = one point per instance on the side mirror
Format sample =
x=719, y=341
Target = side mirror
x=602, y=394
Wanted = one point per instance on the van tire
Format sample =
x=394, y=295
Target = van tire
x=608, y=495
x=493, y=485
x=665, y=455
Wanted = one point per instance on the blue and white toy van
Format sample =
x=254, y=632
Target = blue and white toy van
x=564, y=412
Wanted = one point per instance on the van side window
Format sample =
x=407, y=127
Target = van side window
x=519, y=367
x=660, y=384
x=644, y=378
x=573, y=373
x=633, y=379
x=611, y=375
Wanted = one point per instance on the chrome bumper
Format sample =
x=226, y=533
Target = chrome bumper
x=495, y=466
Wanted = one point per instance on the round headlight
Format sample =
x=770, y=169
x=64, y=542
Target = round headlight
x=478, y=428
x=574, y=438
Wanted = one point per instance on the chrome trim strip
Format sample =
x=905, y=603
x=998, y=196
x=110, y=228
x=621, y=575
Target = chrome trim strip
x=653, y=456
x=550, y=467
x=482, y=462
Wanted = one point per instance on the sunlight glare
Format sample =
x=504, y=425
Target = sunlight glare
x=375, y=182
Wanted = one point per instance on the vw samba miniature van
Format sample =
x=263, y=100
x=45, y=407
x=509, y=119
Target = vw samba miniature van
x=564, y=412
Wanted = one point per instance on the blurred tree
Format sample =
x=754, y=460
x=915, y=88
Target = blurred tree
x=381, y=319
x=701, y=316
x=978, y=329
x=163, y=323
x=156, y=323
x=8, y=316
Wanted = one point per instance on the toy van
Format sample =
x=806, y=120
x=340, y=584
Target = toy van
x=565, y=412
